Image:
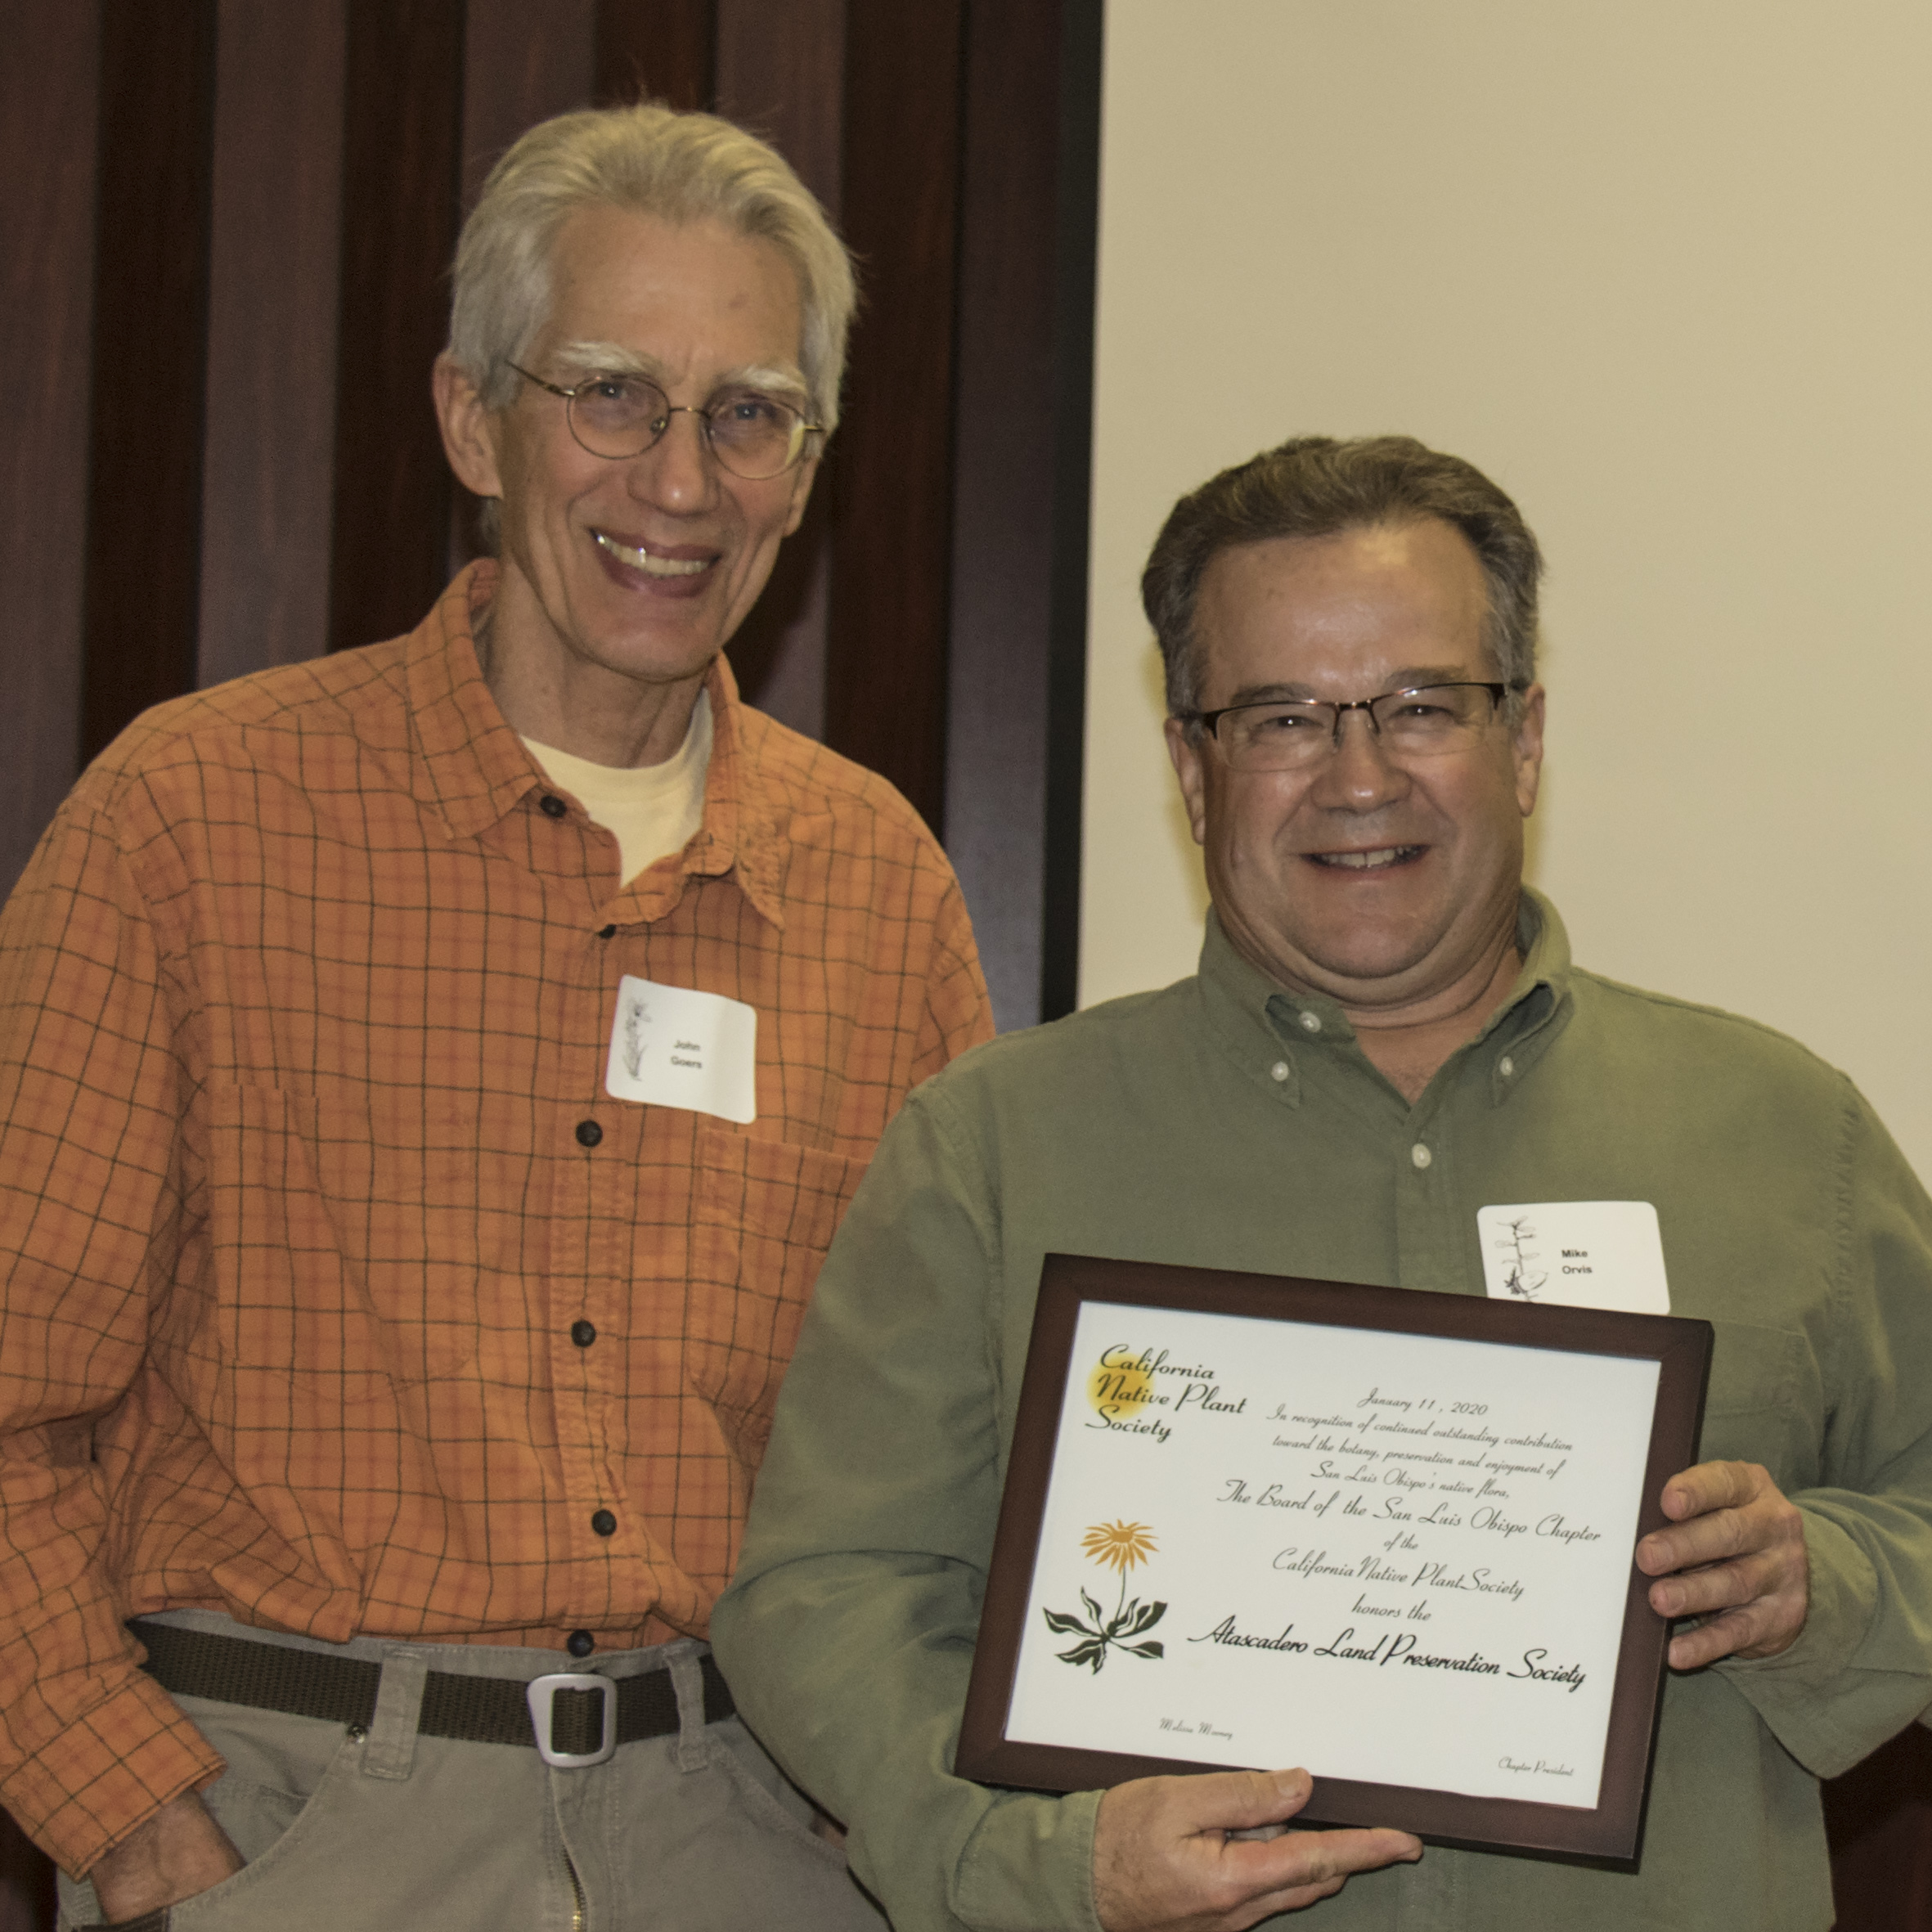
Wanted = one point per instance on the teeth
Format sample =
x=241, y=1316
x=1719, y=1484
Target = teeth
x=1365, y=861
x=641, y=559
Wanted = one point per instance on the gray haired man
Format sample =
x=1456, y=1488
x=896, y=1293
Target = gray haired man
x=433, y=1075
x=1387, y=1034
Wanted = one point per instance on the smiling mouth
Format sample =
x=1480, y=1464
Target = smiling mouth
x=635, y=558
x=1387, y=855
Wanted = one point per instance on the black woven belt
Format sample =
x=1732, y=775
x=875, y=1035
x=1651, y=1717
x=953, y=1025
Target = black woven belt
x=480, y=1709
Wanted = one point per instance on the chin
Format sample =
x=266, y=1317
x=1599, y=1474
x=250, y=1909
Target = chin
x=1342, y=959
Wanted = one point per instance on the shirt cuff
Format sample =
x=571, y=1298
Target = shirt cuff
x=1808, y=1695
x=107, y=1773
x=1030, y=1864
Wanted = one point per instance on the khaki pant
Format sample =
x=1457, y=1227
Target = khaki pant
x=394, y=1830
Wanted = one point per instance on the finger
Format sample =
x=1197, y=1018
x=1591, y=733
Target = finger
x=1724, y=1586
x=1709, y=1485
x=1769, y=1519
x=1764, y=1629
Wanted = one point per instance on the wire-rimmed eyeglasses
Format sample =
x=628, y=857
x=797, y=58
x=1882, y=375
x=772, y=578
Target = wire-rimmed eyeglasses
x=1278, y=734
x=616, y=416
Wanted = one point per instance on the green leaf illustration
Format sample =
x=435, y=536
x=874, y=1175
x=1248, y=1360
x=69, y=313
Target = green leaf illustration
x=1092, y=1651
x=1059, y=1621
x=1143, y=1650
x=1093, y=1609
x=1148, y=1614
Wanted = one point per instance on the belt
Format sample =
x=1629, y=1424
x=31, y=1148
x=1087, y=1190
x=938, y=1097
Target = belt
x=566, y=1716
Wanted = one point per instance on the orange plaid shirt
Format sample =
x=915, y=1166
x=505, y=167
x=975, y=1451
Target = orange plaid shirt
x=305, y=1001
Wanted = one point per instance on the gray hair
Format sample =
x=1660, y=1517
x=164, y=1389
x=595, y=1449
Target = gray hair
x=652, y=161
x=1319, y=486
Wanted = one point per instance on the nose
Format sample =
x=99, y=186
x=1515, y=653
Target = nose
x=1358, y=774
x=678, y=472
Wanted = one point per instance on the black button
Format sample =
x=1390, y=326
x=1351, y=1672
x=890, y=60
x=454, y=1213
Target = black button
x=608, y=932
x=588, y=1134
x=580, y=1643
x=604, y=1523
x=552, y=806
x=583, y=1333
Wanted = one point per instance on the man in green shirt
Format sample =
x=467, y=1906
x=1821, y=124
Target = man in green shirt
x=1386, y=1034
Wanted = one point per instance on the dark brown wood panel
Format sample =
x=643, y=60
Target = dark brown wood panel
x=151, y=300
x=521, y=64
x=891, y=549
x=403, y=105
x=664, y=48
x=1000, y=632
x=781, y=71
x=275, y=250
x=47, y=87
x=1076, y=225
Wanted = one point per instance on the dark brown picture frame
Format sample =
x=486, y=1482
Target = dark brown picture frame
x=1611, y=1832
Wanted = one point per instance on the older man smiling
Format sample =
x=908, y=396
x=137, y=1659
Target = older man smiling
x=434, y=1078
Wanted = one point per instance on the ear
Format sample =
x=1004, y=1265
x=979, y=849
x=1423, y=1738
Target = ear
x=468, y=429
x=1190, y=767
x=802, y=481
x=1526, y=750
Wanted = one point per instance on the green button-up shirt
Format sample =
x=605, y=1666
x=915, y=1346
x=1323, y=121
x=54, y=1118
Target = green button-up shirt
x=1226, y=1123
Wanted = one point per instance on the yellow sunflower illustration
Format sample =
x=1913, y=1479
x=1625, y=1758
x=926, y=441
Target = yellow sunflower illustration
x=1120, y=1544
x=1116, y=1545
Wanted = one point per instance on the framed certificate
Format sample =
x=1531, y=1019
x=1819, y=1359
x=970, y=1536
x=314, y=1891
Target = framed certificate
x=1257, y=1522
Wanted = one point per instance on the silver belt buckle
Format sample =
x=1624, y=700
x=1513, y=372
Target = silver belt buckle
x=540, y=1694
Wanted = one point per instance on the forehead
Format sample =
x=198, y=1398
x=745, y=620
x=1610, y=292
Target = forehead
x=1351, y=610
x=683, y=292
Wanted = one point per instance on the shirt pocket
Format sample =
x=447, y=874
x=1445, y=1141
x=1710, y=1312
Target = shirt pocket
x=763, y=1214
x=1763, y=1386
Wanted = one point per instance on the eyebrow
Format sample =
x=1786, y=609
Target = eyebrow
x=1410, y=678
x=612, y=358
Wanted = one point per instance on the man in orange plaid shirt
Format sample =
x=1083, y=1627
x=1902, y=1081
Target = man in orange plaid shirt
x=432, y=1077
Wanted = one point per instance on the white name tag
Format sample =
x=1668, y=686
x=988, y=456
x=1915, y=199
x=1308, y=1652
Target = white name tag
x=672, y=1047
x=1582, y=1254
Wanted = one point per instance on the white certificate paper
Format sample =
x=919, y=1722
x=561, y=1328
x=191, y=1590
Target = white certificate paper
x=1397, y=1558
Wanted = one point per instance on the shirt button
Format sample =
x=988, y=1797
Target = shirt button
x=1279, y=1070
x=1420, y=1155
x=1506, y=1066
x=588, y=1134
x=552, y=806
x=1311, y=1022
x=583, y=1333
x=580, y=1643
x=604, y=1523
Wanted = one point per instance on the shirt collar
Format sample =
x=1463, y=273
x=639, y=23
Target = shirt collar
x=743, y=816
x=474, y=770
x=1258, y=1014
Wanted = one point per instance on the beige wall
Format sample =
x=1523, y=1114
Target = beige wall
x=1662, y=267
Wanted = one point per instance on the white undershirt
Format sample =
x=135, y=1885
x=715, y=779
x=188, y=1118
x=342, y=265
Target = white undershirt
x=651, y=810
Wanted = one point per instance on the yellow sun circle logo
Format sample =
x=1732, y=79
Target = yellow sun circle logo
x=1118, y=1387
